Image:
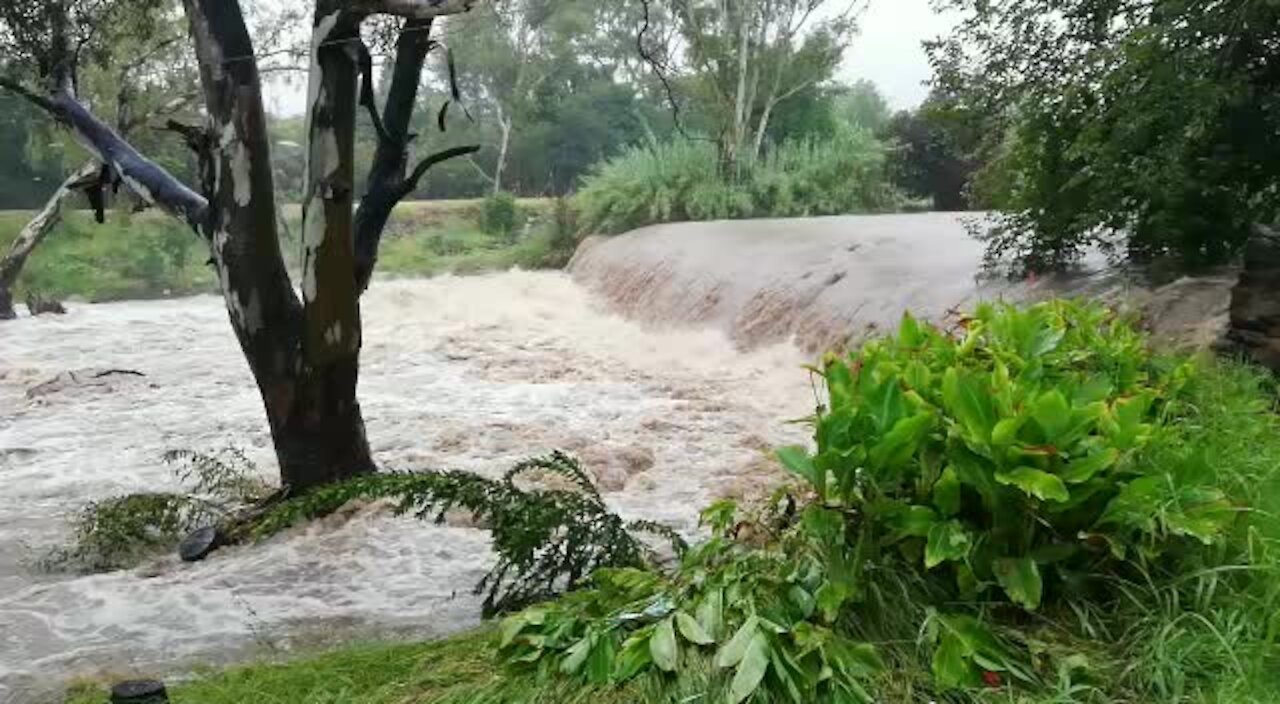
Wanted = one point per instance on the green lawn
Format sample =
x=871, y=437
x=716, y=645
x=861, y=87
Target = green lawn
x=149, y=255
x=459, y=670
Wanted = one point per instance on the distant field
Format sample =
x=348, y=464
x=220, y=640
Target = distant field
x=149, y=254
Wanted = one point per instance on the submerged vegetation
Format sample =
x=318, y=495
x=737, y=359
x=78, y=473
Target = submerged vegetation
x=548, y=539
x=1029, y=506
x=121, y=531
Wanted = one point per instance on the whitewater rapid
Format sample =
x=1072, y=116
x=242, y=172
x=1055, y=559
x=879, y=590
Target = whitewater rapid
x=470, y=373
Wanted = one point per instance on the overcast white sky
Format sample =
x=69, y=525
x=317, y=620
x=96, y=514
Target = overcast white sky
x=887, y=51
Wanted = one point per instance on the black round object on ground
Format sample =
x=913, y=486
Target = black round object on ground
x=199, y=544
x=139, y=692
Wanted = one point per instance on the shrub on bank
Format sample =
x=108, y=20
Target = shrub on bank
x=1031, y=503
x=499, y=216
x=680, y=181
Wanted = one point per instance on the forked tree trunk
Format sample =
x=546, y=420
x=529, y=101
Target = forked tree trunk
x=31, y=236
x=304, y=355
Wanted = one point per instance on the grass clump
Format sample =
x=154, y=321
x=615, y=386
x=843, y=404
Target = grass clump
x=499, y=216
x=681, y=181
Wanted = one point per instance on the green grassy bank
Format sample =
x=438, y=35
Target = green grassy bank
x=149, y=255
x=455, y=671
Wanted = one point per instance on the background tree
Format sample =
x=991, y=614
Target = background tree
x=936, y=149
x=139, y=74
x=29, y=171
x=741, y=61
x=304, y=353
x=1151, y=129
x=511, y=49
x=862, y=105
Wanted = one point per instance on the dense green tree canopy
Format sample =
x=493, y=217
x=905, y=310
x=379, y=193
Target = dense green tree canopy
x=1149, y=128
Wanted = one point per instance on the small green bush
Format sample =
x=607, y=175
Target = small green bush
x=681, y=181
x=500, y=216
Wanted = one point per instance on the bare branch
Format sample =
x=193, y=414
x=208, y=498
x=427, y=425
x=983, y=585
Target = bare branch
x=144, y=177
x=413, y=9
x=660, y=71
x=196, y=137
x=367, y=98
x=479, y=170
x=423, y=166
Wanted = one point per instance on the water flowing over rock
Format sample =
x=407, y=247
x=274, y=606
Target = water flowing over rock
x=826, y=281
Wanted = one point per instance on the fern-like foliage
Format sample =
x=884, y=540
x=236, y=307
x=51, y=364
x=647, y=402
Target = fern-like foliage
x=547, y=540
x=120, y=531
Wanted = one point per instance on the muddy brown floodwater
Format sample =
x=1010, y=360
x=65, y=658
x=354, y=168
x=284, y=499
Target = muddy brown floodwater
x=470, y=373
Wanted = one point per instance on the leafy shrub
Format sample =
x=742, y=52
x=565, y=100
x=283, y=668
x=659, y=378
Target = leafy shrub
x=681, y=181
x=985, y=503
x=766, y=615
x=547, y=540
x=1014, y=450
x=499, y=215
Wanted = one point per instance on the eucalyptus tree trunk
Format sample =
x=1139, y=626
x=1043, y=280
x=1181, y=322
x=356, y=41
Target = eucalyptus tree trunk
x=304, y=354
x=504, y=146
x=324, y=436
x=32, y=235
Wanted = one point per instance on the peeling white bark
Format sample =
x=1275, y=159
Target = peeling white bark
x=240, y=174
x=318, y=38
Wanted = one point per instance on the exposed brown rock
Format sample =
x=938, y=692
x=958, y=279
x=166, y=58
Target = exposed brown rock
x=1255, y=301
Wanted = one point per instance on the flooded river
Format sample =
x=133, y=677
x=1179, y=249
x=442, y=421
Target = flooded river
x=471, y=373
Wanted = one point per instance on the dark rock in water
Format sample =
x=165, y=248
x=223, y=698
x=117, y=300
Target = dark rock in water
x=139, y=692
x=1255, y=302
x=200, y=543
x=39, y=305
